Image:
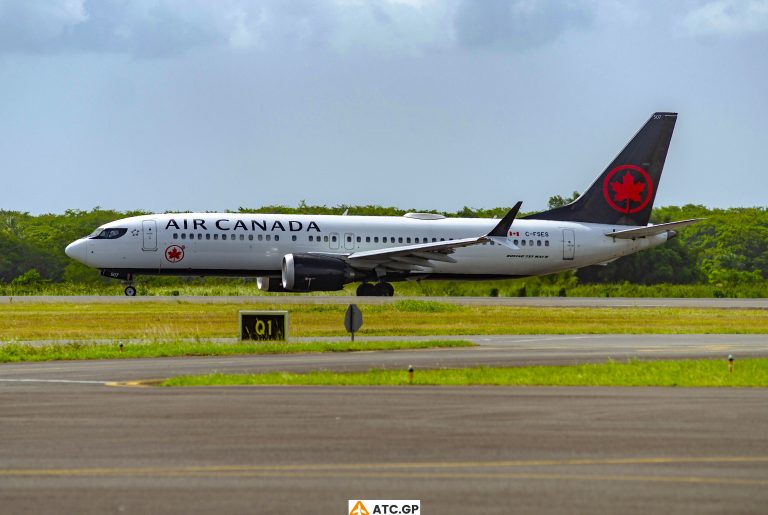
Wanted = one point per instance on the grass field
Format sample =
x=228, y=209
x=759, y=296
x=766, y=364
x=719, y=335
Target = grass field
x=683, y=373
x=15, y=352
x=22, y=322
x=548, y=286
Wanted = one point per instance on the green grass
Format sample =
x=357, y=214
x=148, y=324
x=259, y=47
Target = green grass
x=682, y=373
x=14, y=352
x=547, y=286
x=168, y=321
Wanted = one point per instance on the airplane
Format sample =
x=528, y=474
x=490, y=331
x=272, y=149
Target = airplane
x=306, y=253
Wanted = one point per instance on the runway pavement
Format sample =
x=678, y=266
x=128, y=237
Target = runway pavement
x=69, y=443
x=569, y=302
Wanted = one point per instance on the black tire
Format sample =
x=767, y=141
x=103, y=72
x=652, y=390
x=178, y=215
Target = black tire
x=130, y=291
x=366, y=290
x=384, y=290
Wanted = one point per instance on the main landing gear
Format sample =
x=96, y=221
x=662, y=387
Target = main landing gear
x=375, y=290
x=130, y=291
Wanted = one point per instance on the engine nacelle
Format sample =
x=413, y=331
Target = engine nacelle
x=270, y=283
x=307, y=272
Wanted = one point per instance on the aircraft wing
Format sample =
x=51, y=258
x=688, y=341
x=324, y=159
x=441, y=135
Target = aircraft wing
x=420, y=257
x=652, y=230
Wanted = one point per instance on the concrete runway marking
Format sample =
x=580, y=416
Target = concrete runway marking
x=405, y=469
x=71, y=381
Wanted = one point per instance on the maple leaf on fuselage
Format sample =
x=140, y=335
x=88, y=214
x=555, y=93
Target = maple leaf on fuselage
x=628, y=189
x=174, y=254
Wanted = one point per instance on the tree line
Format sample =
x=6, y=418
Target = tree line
x=729, y=248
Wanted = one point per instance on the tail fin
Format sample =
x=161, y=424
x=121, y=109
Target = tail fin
x=623, y=194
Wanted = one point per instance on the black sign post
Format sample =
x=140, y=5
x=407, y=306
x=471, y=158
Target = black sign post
x=264, y=325
x=353, y=319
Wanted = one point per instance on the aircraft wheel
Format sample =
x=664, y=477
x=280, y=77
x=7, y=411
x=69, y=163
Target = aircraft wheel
x=384, y=290
x=130, y=291
x=366, y=290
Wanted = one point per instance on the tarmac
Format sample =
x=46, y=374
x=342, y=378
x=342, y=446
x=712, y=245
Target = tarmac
x=73, y=442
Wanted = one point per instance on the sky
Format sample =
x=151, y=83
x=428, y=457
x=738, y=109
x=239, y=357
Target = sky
x=208, y=105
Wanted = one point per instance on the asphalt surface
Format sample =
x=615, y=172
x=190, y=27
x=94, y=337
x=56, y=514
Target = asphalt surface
x=70, y=443
x=569, y=302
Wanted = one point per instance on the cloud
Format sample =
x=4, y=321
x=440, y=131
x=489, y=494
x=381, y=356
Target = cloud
x=167, y=27
x=518, y=24
x=158, y=28
x=727, y=18
x=31, y=26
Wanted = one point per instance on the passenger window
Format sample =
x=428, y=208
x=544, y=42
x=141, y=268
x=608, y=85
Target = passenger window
x=250, y=237
x=200, y=236
x=530, y=242
x=375, y=239
x=293, y=237
x=268, y=237
x=277, y=237
x=175, y=236
x=538, y=243
x=333, y=238
x=242, y=237
x=546, y=243
x=434, y=239
x=191, y=236
x=261, y=237
x=522, y=243
x=207, y=236
x=325, y=239
x=383, y=239
x=183, y=236
x=416, y=240
x=359, y=239
x=216, y=236
x=310, y=237
x=349, y=239
x=400, y=240
x=407, y=240
x=367, y=239
x=516, y=242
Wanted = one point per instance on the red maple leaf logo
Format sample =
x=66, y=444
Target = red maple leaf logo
x=628, y=189
x=630, y=194
x=174, y=254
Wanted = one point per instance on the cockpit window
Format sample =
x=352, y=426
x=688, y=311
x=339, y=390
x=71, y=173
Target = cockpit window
x=108, y=234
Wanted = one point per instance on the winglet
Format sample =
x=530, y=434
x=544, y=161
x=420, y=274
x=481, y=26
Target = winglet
x=502, y=227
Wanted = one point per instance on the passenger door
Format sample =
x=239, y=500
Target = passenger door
x=149, y=232
x=569, y=244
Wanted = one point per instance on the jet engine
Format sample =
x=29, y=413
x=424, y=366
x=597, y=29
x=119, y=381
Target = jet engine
x=308, y=272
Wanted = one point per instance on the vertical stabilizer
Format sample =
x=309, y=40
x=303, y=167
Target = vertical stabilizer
x=624, y=193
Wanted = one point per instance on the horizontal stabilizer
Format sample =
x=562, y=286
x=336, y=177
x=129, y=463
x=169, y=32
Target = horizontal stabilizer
x=652, y=230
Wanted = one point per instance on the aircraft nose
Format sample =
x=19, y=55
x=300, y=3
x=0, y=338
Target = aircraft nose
x=76, y=250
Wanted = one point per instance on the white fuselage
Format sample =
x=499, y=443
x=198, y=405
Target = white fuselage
x=255, y=244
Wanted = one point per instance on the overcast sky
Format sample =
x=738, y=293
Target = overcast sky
x=212, y=105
